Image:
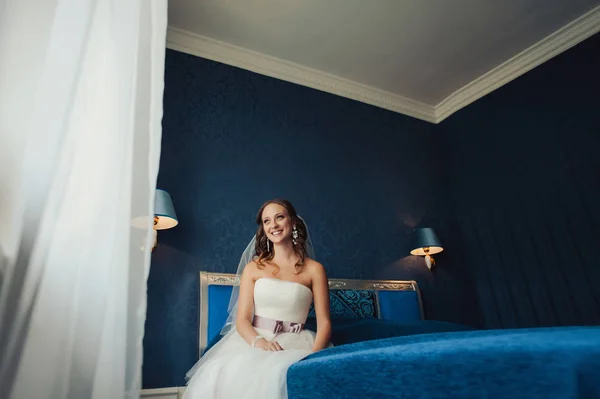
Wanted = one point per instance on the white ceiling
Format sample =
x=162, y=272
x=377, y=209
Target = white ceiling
x=424, y=58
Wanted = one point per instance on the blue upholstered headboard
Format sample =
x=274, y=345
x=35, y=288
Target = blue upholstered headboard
x=398, y=301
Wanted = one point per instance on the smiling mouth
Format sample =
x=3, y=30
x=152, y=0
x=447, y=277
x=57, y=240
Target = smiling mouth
x=276, y=233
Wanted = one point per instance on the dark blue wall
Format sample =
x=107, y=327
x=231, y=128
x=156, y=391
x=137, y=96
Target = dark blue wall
x=362, y=177
x=523, y=164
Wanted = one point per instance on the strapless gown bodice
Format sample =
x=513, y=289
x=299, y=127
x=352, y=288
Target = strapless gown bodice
x=282, y=300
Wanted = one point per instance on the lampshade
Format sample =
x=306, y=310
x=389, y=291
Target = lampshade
x=425, y=238
x=164, y=210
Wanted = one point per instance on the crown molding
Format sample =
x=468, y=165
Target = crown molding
x=542, y=51
x=554, y=44
x=215, y=50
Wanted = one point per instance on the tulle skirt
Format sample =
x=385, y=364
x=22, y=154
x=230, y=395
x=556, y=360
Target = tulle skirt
x=234, y=370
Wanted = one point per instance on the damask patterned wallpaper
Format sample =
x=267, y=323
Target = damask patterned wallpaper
x=362, y=178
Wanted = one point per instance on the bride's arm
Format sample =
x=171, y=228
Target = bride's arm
x=243, y=321
x=320, y=287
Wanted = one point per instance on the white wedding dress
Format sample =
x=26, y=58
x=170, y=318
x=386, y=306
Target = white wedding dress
x=232, y=369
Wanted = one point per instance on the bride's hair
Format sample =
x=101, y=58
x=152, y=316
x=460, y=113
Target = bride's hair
x=264, y=253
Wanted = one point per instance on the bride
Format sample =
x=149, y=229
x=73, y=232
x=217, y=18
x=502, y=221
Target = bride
x=264, y=333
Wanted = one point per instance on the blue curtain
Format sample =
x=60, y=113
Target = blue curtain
x=523, y=171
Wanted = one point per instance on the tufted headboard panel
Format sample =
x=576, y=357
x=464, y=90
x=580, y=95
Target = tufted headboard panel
x=398, y=301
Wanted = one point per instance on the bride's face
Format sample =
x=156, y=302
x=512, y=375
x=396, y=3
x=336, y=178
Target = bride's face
x=276, y=223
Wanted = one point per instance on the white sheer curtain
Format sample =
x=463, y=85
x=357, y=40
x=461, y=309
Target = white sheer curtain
x=81, y=84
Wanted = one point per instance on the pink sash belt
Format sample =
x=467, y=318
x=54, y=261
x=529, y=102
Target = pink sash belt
x=276, y=326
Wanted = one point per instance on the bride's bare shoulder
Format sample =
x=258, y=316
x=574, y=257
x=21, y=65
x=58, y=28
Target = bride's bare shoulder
x=251, y=266
x=314, y=267
x=251, y=269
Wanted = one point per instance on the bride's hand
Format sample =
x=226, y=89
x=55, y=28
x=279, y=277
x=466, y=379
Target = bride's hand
x=271, y=346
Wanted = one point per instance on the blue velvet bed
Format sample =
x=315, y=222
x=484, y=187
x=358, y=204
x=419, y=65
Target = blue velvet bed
x=384, y=349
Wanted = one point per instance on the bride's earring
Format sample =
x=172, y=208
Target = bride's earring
x=295, y=236
x=268, y=246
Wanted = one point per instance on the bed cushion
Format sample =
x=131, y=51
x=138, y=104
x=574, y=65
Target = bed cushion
x=399, y=306
x=348, y=331
x=350, y=304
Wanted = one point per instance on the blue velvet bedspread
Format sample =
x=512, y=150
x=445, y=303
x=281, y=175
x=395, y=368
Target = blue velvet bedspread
x=562, y=362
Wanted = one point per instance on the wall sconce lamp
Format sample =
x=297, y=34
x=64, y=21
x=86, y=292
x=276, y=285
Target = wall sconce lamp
x=164, y=214
x=426, y=243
